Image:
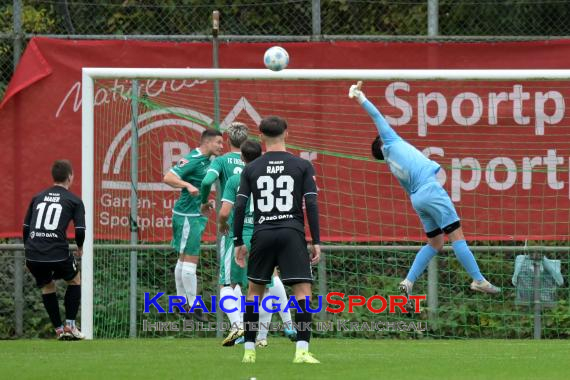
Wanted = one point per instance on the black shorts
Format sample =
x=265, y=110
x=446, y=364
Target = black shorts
x=285, y=248
x=45, y=272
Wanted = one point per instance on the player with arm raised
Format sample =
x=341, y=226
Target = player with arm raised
x=278, y=182
x=231, y=273
x=223, y=168
x=47, y=250
x=187, y=223
x=233, y=276
x=417, y=175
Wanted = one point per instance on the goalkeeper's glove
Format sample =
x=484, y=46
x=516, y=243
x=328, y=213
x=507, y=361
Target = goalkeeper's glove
x=356, y=92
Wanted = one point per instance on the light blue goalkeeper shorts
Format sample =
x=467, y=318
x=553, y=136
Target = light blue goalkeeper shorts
x=434, y=207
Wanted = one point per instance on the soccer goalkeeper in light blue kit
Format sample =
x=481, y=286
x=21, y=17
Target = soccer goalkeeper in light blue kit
x=417, y=175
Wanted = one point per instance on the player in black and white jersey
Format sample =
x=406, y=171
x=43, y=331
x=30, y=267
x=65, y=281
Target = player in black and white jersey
x=278, y=182
x=47, y=251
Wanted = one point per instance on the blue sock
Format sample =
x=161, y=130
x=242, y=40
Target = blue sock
x=466, y=258
x=421, y=262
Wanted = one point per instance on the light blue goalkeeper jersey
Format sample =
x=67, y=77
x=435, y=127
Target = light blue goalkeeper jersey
x=409, y=165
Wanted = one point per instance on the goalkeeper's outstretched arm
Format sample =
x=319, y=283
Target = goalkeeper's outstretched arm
x=387, y=134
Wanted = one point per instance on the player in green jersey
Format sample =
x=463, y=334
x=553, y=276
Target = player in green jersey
x=188, y=223
x=225, y=166
x=232, y=277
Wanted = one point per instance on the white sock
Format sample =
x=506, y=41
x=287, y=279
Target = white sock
x=302, y=345
x=278, y=290
x=249, y=345
x=178, y=279
x=229, y=304
x=238, y=294
x=189, y=281
x=70, y=323
x=264, y=319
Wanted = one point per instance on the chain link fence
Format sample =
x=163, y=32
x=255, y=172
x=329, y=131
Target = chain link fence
x=251, y=20
x=290, y=17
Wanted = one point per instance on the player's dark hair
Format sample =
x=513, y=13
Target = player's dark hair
x=209, y=133
x=250, y=150
x=61, y=170
x=377, y=149
x=273, y=126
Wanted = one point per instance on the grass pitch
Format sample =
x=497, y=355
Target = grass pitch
x=340, y=359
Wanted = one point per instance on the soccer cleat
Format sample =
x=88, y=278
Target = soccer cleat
x=290, y=333
x=262, y=343
x=240, y=340
x=485, y=286
x=303, y=356
x=59, y=333
x=406, y=290
x=198, y=315
x=233, y=335
x=71, y=333
x=248, y=356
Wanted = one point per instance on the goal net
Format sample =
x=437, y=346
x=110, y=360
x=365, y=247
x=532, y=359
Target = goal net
x=501, y=137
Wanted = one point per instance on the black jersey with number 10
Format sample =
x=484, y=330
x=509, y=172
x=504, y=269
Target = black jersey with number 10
x=48, y=216
x=278, y=181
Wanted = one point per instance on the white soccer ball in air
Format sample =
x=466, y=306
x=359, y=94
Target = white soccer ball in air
x=276, y=58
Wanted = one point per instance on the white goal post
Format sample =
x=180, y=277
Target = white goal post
x=89, y=75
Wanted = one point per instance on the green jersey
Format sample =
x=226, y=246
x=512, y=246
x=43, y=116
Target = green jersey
x=222, y=167
x=229, y=195
x=226, y=166
x=192, y=169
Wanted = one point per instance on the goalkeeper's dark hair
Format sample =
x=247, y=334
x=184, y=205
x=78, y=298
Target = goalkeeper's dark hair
x=209, y=133
x=273, y=126
x=377, y=149
x=61, y=170
x=250, y=150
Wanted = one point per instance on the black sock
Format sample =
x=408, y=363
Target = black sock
x=52, y=307
x=304, y=322
x=72, y=301
x=250, y=316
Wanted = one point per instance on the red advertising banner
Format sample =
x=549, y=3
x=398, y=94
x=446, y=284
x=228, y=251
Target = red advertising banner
x=504, y=146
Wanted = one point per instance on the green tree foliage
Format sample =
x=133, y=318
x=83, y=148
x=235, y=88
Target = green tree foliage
x=291, y=17
x=504, y=18
x=37, y=19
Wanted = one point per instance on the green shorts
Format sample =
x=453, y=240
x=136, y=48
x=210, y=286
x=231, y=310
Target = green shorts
x=230, y=272
x=187, y=233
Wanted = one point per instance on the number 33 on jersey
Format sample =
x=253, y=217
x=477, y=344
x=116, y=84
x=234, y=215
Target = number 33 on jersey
x=278, y=181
